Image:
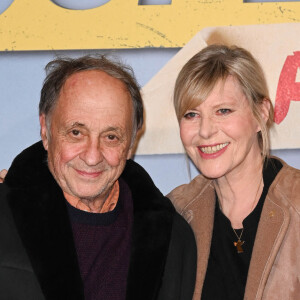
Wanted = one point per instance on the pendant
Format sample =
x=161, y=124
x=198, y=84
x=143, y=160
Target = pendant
x=239, y=245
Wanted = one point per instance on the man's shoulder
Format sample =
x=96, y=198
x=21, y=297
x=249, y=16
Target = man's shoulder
x=182, y=238
x=28, y=167
x=134, y=170
x=182, y=230
x=180, y=269
x=5, y=210
x=144, y=192
x=4, y=190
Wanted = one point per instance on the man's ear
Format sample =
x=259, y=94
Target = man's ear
x=129, y=152
x=44, y=129
x=133, y=146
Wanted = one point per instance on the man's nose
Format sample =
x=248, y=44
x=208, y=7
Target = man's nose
x=207, y=127
x=92, y=154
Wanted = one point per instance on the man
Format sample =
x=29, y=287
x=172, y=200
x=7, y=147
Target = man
x=84, y=221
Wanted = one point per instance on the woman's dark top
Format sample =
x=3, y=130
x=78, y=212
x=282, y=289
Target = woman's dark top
x=227, y=269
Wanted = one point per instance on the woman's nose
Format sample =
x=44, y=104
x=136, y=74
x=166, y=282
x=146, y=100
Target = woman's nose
x=207, y=127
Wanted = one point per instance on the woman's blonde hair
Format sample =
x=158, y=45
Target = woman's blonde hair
x=216, y=62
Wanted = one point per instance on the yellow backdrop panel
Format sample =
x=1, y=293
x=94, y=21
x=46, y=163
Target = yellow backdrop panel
x=42, y=25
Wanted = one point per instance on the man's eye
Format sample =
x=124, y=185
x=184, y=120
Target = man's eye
x=112, y=137
x=190, y=115
x=75, y=132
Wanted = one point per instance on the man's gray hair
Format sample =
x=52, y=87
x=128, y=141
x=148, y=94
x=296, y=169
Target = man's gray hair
x=60, y=69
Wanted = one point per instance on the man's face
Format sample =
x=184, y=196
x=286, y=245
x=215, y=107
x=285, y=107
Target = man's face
x=90, y=134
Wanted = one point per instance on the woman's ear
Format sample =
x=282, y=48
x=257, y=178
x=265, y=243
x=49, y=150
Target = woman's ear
x=265, y=109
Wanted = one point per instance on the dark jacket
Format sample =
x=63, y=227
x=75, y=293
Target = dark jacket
x=37, y=252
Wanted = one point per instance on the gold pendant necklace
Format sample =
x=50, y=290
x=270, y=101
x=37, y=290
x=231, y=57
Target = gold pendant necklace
x=238, y=244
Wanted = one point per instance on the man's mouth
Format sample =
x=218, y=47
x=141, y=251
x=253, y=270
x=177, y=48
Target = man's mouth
x=90, y=174
x=212, y=149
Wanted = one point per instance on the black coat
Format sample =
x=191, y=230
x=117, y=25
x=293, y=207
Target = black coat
x=37, y=252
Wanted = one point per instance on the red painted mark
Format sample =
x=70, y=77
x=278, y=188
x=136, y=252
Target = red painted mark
x=288, y=89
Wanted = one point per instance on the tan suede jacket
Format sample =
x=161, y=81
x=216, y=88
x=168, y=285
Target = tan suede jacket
x=274, y=272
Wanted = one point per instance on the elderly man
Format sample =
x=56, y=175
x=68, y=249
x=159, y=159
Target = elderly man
x=78, y=218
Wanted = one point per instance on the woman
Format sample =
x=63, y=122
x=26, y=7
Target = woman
x=244, y=208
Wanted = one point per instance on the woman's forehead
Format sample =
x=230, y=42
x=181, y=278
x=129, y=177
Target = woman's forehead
x=225, y=89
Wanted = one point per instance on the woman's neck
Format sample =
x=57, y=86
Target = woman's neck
x=239, y=192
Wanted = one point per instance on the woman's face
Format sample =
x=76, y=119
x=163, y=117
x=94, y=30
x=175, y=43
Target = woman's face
x=220, y=135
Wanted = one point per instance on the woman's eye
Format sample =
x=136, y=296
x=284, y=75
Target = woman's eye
x=190, y=115
x=224, y=111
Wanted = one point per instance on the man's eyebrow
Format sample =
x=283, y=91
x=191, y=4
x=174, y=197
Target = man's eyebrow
x=112, y=128
x=77, y=124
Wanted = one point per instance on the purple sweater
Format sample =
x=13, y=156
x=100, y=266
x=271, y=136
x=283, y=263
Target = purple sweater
x=102, y=243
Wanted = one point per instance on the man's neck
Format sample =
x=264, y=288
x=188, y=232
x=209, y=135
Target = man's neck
x=98, y=205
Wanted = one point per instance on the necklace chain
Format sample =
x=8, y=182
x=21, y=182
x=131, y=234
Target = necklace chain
x=239, y=243
x=238, y=237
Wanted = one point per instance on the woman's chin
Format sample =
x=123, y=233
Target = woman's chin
x=211, y=174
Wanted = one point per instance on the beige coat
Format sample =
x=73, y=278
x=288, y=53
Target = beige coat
x=274, y=272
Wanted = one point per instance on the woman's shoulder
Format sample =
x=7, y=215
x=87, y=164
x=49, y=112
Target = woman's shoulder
x=286, y=185
x=185, y=194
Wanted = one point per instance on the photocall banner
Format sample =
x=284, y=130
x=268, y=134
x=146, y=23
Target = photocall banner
x=275, y=46
x=43, y=25
x=273, y=40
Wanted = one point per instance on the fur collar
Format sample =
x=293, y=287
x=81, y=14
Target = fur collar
x=40, y=213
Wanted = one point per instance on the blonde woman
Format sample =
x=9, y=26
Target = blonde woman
x=244, y=208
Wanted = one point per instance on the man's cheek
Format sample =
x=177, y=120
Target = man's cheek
x=114, y=157
x=68, y=153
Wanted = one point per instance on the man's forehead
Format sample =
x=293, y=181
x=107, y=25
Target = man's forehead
x=90, y=77
x=88, y=92
x=92, y=83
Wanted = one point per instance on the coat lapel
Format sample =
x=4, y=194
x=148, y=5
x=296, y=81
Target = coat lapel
x=150, y=243
x=42, y=222
x=151, y=234
x=271, y=230
x=206, y=216
x=200, y=214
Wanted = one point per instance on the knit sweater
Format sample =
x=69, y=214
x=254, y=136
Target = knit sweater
x=102, y=242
